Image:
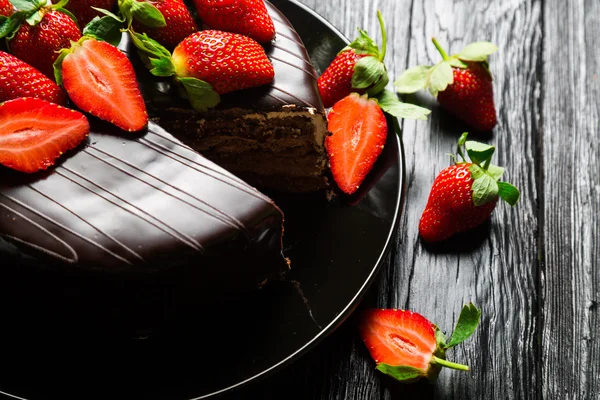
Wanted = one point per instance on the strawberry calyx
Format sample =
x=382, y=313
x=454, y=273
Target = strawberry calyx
x=486, y=185
x=31, y=12
x=160, y=62
x=436, y=78
x=468, y=321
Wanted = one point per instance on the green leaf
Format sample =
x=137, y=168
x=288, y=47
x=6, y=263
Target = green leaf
x=495, y=171
x=440, y=76
x=389, y=102
x=363, y=44
x=108, y=13
x=479, y=152
x=60, y=4
x=28, y=5
x=58, y=65
x=508, y=193
x=412, y=80
x=484, y=188
x=440, y=338
x=201, y=94
x=400, y=373
x=11, y=25
x=478, y=51
x=462, y=139
x=35, y=18
x=146, y=14
x=367, y=72
x=455, y=62
x=106, y=28
x=3, y=19
x=467, y=323
x=154, y=55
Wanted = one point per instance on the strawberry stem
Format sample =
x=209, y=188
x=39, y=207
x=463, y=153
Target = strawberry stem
x=440, y=49
x=383, y=36
x=449, y=364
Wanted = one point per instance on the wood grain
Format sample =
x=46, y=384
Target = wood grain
x=571, y=186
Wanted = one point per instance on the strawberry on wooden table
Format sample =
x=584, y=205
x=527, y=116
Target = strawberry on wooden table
x=408, y=347
x=34, y=133
x=208, y=64
x=100, y=80
x=464, y=195
x=19, y=79
x=247, y=17
x=462, y=84
x=37, y=31
x=83, y=11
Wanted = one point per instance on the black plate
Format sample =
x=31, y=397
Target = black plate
x=336, y=248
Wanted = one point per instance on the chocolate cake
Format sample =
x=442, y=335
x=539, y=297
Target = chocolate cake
x=271, y=136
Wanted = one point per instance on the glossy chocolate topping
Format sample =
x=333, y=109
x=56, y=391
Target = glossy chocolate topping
x=295, y=80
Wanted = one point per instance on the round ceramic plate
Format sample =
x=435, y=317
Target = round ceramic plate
x=336, y=247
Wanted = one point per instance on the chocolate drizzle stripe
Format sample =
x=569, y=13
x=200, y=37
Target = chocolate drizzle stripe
x=295, y=66
x=90, y=241
x=298, y=56
x=291, y=95
x=213, y=212
x=241, y=185
x=276, y=98
x=79, y=217
x=49, y=252
x=277, y=20
x=295, y=40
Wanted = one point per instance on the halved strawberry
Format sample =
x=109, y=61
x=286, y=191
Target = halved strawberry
x=358, y=132
x=100, y=79
x=408, y=347
x=35, y=132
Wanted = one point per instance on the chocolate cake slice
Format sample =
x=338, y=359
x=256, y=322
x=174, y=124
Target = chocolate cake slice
x=270, y=136
x=125, y=230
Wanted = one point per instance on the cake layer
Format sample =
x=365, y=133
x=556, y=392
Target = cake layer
x=130, y=227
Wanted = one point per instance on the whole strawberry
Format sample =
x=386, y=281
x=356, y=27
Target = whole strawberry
x=408, y=347
x=247, y=17
x=464, y=195
x=19, y=79
x=208, y=64
x=6, y=8
x=462, y=84
x=357, y=68
x=38, y=39
x=179, y=23
x=83, y=11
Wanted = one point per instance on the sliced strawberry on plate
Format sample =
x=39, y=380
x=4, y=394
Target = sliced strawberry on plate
x=408, y=347
x=464, y=195
x=358, y=133
x=35, y=132
x=247, y=17
x=19, y=79
x=100, y=80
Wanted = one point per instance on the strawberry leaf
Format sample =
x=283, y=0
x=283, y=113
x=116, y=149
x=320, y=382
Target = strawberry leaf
x=35, y=18
x=412, y=80
x=508, y=193
x=201, y=94
x=401, y=372
x=58, y=65
x=440, y=338
x=363, y=44
x=465, y=326
x=389, y=102
x=155, y=56
x=367, y=72
x=479, y=153
x=146, y=14
x=495, y=171
x=106, y=28
x=484, y=188
x=108, y=13
x=440, y=76
x=28, y=5
x=455, y=62
x=11, y=25
x=478, y=51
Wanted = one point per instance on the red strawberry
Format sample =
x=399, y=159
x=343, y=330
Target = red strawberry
x=100, y=79
x=6, y=8
x=83, y=11
x=19, y=79
x=35, y=132
x=464, y=195
x=209, y=63
x=247, y=17
x=407, y=347
x=357, y=68
x=462, y=84
x=358, y=133
x=38, y=44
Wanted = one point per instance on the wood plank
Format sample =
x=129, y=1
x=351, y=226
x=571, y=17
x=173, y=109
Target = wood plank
x=571, y=154
x=497, y=271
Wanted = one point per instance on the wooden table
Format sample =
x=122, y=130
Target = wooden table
x=533, y=269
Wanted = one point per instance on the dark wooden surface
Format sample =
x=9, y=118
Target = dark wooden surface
x=533, y=269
